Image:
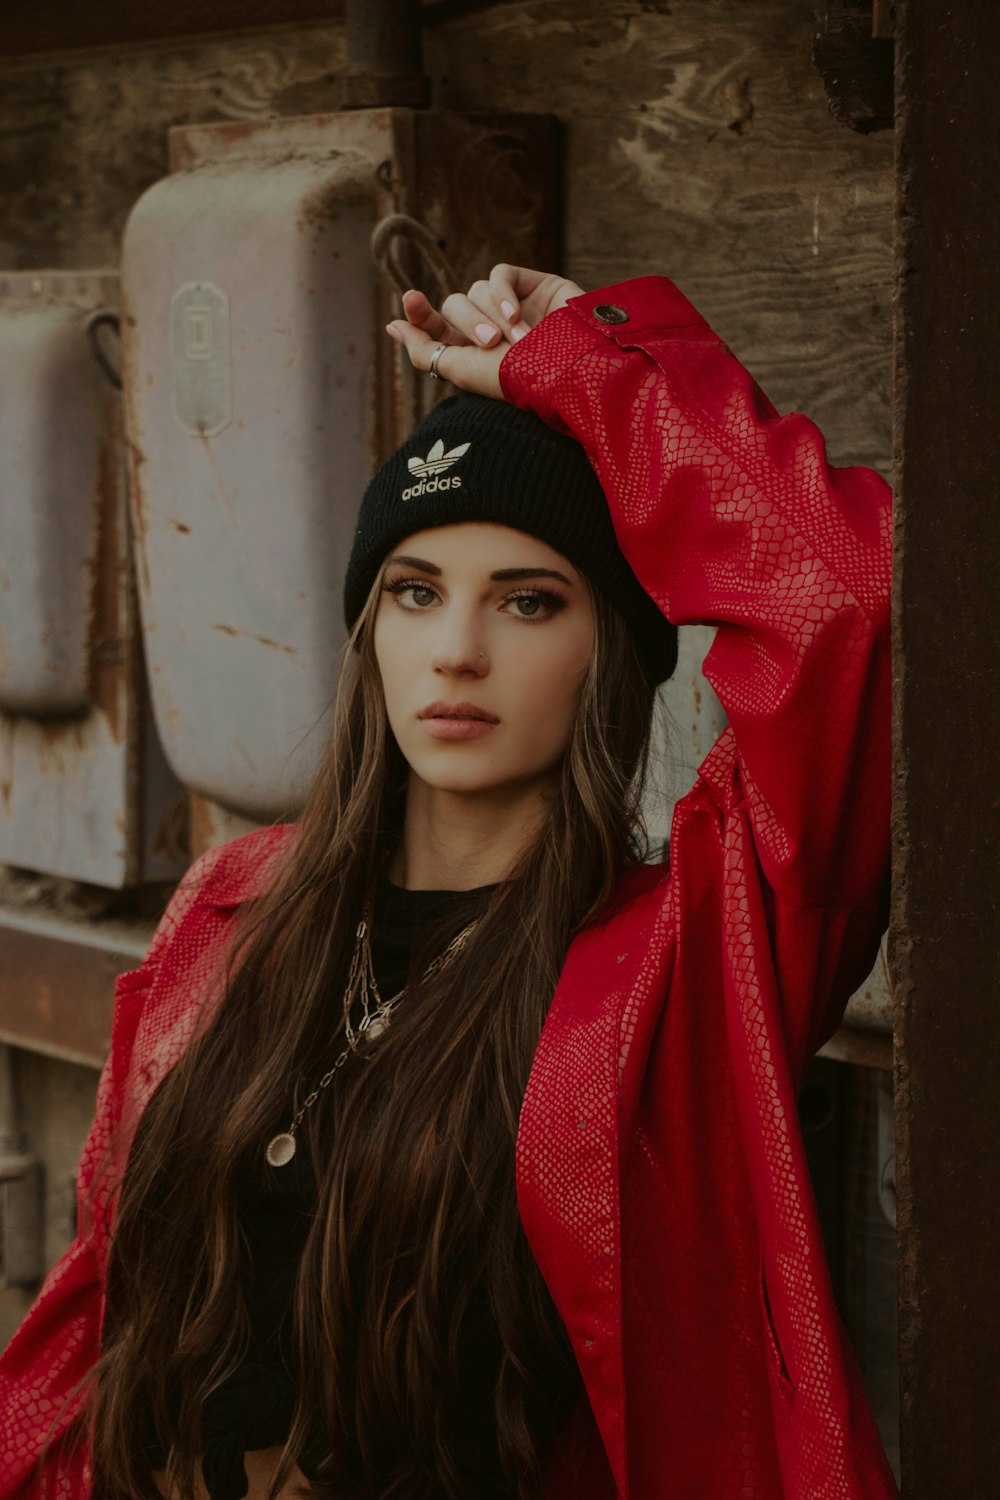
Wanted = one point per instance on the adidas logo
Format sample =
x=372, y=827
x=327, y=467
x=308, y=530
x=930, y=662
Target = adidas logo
x=428, y=469
x=437, y=459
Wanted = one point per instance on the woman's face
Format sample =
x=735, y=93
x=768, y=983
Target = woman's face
x=483, y=615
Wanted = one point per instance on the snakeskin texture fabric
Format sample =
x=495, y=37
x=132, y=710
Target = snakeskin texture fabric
x=661, y=1173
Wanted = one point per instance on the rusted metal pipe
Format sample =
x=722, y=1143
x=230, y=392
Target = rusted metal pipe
x=384, y=62
x=57, y=983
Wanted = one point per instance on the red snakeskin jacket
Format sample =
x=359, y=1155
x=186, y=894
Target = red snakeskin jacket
x=661, y=1173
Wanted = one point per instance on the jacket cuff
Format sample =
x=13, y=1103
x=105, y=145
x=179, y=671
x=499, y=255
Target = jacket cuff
x=622, y=315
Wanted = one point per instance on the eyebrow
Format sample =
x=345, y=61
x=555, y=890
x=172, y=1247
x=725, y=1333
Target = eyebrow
x=501, y=575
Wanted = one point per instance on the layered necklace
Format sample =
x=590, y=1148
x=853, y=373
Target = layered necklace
x=375, y=1014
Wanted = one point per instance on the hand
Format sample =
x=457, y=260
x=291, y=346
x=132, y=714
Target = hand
x=480, y=326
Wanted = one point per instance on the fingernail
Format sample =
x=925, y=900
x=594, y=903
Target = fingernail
x=517, y=333
x=508, y=309
x=485, y=332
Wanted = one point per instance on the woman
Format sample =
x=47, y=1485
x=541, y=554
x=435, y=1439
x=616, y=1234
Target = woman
x=317, y=1255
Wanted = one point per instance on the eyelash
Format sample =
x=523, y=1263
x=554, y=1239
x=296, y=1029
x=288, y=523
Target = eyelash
x=552, y=601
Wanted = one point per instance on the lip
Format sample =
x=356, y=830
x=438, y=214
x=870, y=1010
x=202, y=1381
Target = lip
x=458, y=729
x=463, y=711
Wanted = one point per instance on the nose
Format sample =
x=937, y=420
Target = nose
x=458, y=647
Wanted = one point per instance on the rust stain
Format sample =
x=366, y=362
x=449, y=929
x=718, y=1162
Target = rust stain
x=262, y=640
x=172, y=837
x=179, y=526
x=235, y=130
x=322, y=207
x=105, y=654
x=8, y=731
x=219, y=483
x=137, y=462
x=43, y=991
x=201, y=824
x=50, y=761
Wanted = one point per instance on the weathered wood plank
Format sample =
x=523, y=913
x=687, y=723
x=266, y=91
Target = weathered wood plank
x=51, y=25
x=700, y=144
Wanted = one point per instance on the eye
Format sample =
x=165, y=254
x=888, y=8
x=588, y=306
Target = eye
x=415, y=586
x=531, y=605
x=551, y=603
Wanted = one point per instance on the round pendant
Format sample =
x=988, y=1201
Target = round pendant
x=377, y=1025
x=281, y=1150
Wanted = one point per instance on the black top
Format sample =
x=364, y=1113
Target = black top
x=253, y=1409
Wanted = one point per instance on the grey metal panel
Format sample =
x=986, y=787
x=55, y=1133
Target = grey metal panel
x=249, y=369
x=83, y=792
x=689, y=719
x=52, y=448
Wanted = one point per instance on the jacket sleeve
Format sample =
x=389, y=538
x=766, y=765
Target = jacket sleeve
x=731, y=515
x=44, y=1369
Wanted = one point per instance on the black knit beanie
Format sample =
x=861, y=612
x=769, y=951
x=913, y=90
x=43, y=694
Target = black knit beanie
x=476, y=459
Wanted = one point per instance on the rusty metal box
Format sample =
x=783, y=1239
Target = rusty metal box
x=84, y=791
x=262, y=392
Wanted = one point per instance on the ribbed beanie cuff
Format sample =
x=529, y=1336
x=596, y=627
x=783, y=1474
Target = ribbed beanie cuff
x=476, y=459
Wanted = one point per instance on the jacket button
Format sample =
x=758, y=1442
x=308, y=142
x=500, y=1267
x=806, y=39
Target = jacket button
x=608, y=313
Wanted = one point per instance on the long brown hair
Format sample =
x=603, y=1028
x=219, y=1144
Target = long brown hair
x=416, y=1237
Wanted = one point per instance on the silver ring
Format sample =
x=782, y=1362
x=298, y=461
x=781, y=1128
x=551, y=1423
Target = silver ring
x=432, y=367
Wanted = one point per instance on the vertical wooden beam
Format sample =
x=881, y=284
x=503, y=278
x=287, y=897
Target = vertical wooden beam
x=884, y=18
x=944, y=944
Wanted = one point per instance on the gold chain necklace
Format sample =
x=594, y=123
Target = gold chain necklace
x=374, y=1020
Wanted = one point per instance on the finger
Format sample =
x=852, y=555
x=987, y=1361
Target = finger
x=512, y=287
x=505, y=293
x=420, y=347
x=497, y=300
x=463, y=365
x=418, y=344
x=421, y=313
x=463, y=314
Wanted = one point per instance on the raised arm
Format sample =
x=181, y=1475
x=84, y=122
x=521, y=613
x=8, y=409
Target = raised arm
x=730, y=515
